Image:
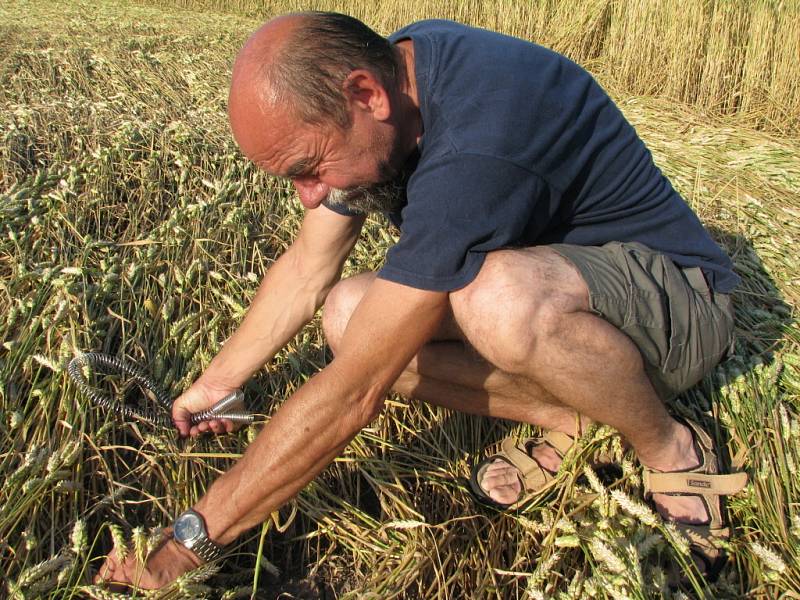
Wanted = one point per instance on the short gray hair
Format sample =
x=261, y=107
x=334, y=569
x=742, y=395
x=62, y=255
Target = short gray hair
x=308, y=71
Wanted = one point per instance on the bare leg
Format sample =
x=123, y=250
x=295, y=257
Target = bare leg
x=579, y=358
x=527, y=315
x=451, y=375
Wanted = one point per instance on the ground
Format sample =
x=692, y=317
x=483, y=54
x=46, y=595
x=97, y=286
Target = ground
x=130, y=224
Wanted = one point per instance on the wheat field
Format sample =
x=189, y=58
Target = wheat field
x=130, y=224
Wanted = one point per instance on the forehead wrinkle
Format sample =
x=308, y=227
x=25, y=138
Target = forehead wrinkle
x=273, y=155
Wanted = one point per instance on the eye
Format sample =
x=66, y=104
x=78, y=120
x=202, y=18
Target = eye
x=301, y=169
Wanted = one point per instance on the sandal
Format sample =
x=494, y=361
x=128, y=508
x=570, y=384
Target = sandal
x=533, y=478
x=705, y=482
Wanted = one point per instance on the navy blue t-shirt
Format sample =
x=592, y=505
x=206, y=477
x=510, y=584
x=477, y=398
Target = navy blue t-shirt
x=522, y=147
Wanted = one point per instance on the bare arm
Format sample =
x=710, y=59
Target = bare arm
x=314, y=425
x=291, y=292
x=309, y=430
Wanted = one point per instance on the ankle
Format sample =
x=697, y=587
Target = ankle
x=678, y=453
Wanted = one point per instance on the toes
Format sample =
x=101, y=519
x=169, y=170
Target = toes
x=498, y=478
x=505, y=494
x=498, y=465
x=501, y=483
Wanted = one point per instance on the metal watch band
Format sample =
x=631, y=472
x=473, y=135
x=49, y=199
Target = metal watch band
x=207, y=550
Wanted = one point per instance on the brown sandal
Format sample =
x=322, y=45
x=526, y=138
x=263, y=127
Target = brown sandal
x=533, y=478
x=705, y=482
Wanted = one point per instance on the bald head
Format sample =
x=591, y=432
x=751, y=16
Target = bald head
x=252, y=100
x=296, y=66
x=252, y=67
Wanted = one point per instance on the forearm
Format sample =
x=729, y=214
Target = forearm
x=305, y=435
x=315, y=424
x=286, y=300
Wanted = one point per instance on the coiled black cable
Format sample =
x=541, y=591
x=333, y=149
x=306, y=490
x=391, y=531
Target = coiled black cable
x=230, y=407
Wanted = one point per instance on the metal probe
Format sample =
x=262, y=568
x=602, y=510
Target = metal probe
x=230, y=407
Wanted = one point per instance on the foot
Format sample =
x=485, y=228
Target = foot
x=501, y=482
x=689, y=510
x=677, y=489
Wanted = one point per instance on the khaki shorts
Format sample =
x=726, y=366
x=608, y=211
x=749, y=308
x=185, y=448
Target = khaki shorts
x=681, y=327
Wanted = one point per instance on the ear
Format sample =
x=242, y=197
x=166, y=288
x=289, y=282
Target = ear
x=365, y=92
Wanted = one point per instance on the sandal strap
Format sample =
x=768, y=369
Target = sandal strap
x=531, y=474
x=708, y=488
x=559, y=441
x=693, y=483
x=516, y=451
x=703, y=481
x=530, y=471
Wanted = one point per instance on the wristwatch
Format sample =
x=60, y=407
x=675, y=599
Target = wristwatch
x=190, y=530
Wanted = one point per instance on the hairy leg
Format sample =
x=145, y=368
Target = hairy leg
x=547, y=358
x=578, y=357
x=448, y=372
x=451, y=375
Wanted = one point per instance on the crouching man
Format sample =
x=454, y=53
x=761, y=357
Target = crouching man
x=546, y=271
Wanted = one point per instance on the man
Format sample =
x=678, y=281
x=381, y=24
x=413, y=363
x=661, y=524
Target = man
x=546, y=271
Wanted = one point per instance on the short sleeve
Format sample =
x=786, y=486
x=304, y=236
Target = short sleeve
x=341, y=209
x=460, y=207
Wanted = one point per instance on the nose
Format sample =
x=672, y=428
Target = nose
x=311, y=191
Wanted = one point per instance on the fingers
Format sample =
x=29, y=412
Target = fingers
x=183, y=425
x=217, y=426
x=181, y=415
x=194, y=400
x=112, y=572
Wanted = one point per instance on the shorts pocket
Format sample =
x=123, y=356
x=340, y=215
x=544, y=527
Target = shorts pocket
x=700, y=331
x=681, y=307
x=647, y=321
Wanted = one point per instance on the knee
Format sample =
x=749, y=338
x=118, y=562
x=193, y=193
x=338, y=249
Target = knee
x=510, y=314
x=340, y=304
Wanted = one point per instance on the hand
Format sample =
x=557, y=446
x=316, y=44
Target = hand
x=197, y=398
x=164, y=565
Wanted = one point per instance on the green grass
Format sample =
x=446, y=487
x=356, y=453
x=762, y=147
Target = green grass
x=130, y=224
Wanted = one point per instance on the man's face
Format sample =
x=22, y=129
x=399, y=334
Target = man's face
x=372, y=167
x=359, y=167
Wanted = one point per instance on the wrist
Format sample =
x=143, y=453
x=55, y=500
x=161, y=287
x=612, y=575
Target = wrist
x=214, y=381
x=239, y=358
x=181, y=552
x=190, y=531
x=222, y=528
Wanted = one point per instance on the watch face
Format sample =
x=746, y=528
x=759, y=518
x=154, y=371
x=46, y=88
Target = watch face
x=187, y=527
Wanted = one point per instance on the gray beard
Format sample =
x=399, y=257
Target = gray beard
x=382, y=197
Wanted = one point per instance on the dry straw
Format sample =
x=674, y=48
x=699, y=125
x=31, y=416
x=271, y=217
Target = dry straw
x=130, y=224
x=725, y=56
